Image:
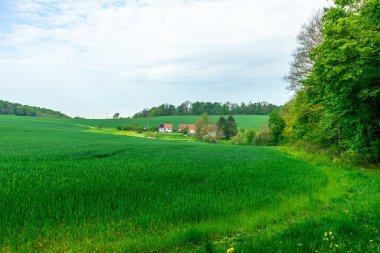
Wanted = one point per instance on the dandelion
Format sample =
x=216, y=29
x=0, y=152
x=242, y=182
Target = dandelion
x=330, y=233
x=332, y=237
x=326, y=234
x=230, y=250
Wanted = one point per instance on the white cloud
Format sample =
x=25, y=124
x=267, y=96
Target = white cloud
x=86, y=47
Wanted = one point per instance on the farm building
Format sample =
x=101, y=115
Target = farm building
x=191, y=128
x=165, y=128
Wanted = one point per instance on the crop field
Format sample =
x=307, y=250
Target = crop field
x=66, y=189
x=243, y=121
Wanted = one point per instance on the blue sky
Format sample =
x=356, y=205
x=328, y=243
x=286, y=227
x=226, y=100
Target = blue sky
x=104, y=56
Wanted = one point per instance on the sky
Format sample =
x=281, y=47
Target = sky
x=93, y=58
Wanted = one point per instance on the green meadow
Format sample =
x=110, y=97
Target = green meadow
x=243, y=121
x=66, y=189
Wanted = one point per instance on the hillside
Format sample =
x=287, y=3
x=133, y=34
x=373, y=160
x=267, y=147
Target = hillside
x=9, y=108
x=243, y=121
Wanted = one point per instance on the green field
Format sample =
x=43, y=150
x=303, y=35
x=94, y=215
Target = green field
x=243, y=121
x=63, y=189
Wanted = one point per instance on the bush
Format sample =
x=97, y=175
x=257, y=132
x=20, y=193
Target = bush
x=249, y=136
x=210, y=133
x=184, y=131
x=263, y=137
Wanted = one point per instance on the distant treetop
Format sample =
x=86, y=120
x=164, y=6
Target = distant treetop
x=8, y=108
x=211, y=108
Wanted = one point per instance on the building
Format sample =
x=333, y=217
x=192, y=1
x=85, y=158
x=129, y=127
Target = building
x=165, y=128
x=190, y=128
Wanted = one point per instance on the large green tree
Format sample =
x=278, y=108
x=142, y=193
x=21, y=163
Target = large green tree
x=230, y=128
x=337, y=103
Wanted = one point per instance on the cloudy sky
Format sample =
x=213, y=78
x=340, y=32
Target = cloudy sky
x=92, y=57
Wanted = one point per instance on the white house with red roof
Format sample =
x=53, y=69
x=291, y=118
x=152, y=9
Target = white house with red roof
x=190, y=128
x=165, y=128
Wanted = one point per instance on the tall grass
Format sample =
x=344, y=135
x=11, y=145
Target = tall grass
x=64, y=189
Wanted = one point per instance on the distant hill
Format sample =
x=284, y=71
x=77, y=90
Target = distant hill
x=211, y=108
x=243, y=121
x=8, y=108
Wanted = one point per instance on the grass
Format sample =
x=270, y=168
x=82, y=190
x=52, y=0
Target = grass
x=64, y=187
x=243, y=121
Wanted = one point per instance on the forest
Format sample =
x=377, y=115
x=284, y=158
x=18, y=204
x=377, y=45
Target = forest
x=211, y=108
x=335, y=74
x=8, y=108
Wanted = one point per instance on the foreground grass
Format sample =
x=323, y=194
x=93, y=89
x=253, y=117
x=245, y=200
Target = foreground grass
x=62, y=189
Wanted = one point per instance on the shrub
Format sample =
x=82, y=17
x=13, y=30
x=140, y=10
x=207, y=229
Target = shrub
x=263, y=137
x=249, y=136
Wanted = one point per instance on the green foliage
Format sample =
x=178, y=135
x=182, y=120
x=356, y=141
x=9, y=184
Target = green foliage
x=198, y=108
x=8, y=108
x=245, y=137
x=264, y=137
x=338, y=104
x=221, y=124
x=249, y=136
x=228, y=127
x=276, y=126
x=185, y=130
x=239, y=137
x=206, y=132
x=200, y=124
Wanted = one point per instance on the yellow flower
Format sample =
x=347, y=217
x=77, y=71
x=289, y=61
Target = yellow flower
x=326, y=234
x=230, y=250
x=332, y=237
x=330, y=233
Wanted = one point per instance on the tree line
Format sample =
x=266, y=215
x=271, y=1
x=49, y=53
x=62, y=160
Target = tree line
x=8, y=108
x=226, y=128
x=211, y=108
x=335, y=74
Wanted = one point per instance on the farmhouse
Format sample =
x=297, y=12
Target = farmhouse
x=165, y=128
x=191, y=128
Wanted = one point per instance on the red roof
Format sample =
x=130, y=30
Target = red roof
x=183, y=126
x=168, y=125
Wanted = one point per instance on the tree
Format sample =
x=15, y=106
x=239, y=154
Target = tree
x=116, y=115
x=221, y=124
x=309, y=38
x=276, y=126
x=230, y=128
x=210, y=133
x=346, y=76
x=201, y=123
